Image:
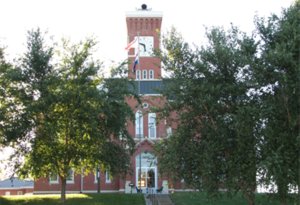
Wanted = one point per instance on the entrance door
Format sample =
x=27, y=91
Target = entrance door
x=146, y=172
x=148, y=178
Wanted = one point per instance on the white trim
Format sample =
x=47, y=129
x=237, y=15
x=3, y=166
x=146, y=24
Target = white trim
x=95, y=176
x=151, y=95
x=145, y=74
x=71, y=181
x=151, y=76
x=138, y=75
x=152, y=125
x=75, y=192
x=137, y=169
x=53, y=181
x=144, y=13
x=16, y=188
x=56, y=192
x=150, y=79
x=107, y=177
x=139, y=124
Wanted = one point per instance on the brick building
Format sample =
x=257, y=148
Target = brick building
x=15, y=186
x=144, y=25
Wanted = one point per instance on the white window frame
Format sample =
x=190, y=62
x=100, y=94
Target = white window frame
x=70, y=178
x=145, y=74
x=152, y=125
x=169, y=131
x=107, y=177
x=151, y=74
x=51, y=181
x=138, y=74
x=139, y=116
x=95, y=176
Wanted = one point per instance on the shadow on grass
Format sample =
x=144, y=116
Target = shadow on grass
x=82, y=199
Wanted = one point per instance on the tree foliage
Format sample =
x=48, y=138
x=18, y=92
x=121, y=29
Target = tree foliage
x=280, y=73
x=77, y=118
x=237, y=100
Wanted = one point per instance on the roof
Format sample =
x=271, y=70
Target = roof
x=15, y=182
x=150, y=87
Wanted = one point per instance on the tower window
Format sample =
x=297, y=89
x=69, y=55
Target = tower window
x=144, y=74
x=151, y=74
x=138, y=74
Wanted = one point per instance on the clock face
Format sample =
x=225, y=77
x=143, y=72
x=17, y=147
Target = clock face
x=146, y=45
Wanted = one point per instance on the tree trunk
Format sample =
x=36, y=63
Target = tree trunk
x=248, y=191
x=250, y=197
x=63, y=190
x=282, y=193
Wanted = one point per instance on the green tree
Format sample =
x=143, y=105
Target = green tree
x=77, y=117
x=279, y=77
x=14, y=122
x=215, y=143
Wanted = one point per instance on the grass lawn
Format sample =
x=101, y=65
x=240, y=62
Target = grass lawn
x=198, y=198
x=75, y=199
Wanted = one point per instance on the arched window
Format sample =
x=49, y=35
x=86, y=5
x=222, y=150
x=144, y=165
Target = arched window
x=144, y=74
x=138, y=74
x=151, y=74
x=152, y=125
x=139, y=124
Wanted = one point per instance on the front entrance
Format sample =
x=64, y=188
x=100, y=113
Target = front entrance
x=146, y=172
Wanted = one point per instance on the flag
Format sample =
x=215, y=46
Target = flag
x=136, y=61
x=134, y=44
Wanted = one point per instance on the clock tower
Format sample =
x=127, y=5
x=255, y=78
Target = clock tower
x=145, y=25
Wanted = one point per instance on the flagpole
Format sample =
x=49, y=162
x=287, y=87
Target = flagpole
x=140, y=113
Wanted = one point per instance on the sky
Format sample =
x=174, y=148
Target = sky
x=105, y=20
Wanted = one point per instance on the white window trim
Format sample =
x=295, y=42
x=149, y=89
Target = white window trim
x=53, y=181
x=169, y=131
x=151, y=74
x=152, y=116
x=95, y=176
x=137, y=124
x=71, y=181
x=107, y=177
x=144, y=75
x=138, y=74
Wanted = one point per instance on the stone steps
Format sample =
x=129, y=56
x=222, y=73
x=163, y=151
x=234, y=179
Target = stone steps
x=158, y=199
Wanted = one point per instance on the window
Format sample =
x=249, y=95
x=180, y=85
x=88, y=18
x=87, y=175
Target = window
x=97, y=174
x=107, y=176
x=139, y=124
x=70, y=178
x=169, y=131
x=151, y=74
x=138, y=74
x=144, y=74
x=53, y=179
x=152, y=125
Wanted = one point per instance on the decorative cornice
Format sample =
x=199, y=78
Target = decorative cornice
x=144, y=14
